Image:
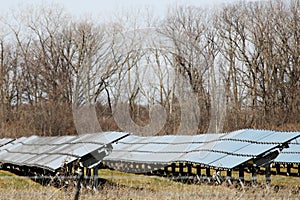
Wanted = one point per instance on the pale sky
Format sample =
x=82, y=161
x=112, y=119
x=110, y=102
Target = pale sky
x=109, y=7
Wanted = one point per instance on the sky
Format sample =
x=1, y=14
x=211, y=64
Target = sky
x=109, y=7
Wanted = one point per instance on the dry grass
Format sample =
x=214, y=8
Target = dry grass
x=118, y=185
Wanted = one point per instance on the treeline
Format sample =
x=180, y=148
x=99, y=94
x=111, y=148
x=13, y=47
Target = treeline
x=241, y=61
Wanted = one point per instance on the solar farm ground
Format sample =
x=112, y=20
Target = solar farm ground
x=119, y=185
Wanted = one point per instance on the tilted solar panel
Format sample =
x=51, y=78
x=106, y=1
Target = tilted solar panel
x=250, y=135
x=221, y=150
x=291, y=154
x=4, y=141
x=52, y=152
x=288, y=158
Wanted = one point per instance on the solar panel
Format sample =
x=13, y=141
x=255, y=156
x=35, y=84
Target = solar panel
x=5, y=141
x=53, y=162
x=278, y=137
x=100, y=138
x=203, y=157
x=291, y=154
x=52, y=152
x=216, y=150
x=230, y=161
x=228, y=146
x=288, y=158
x=255, y=149
x=250, y=135
x=157, y=158
x=293, y=148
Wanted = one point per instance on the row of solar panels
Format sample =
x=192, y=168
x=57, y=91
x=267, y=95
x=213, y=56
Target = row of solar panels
x=225, y=151
x=52, y=152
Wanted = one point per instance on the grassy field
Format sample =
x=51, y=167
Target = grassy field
x=118, y=185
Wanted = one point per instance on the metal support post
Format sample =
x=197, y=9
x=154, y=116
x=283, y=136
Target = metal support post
x=95, y=177
x=288, y=170
x=173, y=166
x=189, y=169
x=277, y=166
x=268, y=174
x=80, y=177
x=254, y=173
x=208, y=172
x=198, y=167
x=241, y=174
x=181, y=169
x=229, y=176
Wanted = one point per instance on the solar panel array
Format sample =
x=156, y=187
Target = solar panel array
x=52, y=152
x=290, y=155
x=224, y=151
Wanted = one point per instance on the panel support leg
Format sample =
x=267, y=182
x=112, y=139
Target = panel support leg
x=189, y=169
x=241, y=174
x=288, y=170
x=80, y=177
x=268, y=174
x=95, y=177
x=277, y=166
x=229, y=177
x=173, y=166
x=88, y=175
x=180, y=169
x=254, y=175
x=208, y=172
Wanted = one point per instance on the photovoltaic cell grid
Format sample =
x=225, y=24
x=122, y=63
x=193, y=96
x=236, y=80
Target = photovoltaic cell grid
x=52, y=152
x=290, y=155
x=4, y=141
x=224, y=151
x=215, y=150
